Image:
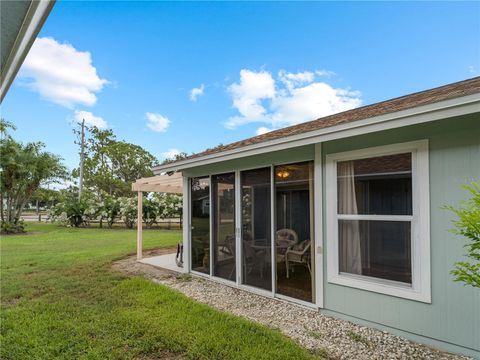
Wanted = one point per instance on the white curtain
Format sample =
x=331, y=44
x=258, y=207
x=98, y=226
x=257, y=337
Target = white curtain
x=350, y=253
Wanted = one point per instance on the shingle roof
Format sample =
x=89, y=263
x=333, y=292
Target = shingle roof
x=450, y=91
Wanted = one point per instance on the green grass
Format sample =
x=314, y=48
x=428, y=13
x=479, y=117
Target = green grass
x=61, y=299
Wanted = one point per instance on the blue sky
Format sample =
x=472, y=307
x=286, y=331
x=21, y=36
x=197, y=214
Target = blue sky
x=257, y=66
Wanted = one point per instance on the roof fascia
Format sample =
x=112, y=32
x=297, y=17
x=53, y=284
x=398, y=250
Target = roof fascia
x=34, y=19
x=425, y=113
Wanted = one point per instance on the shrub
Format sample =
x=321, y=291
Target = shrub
x=468, y=225
x=12, y=228
x=150, y=212
x=71, y=211
x=128, y=211
x=168, y=205
x=111, y=209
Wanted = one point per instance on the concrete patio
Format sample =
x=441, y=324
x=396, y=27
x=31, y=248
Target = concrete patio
x=166, y=261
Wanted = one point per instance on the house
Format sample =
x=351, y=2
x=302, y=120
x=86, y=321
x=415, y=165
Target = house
x=21, y=22
x=344, y=214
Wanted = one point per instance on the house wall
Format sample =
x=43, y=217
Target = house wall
x=302, y=153
x=452, y=320
x=453, y=316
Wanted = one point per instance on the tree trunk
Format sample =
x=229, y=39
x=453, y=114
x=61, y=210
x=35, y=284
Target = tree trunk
x=16, y=200
x=9, y=209
x=20, y=210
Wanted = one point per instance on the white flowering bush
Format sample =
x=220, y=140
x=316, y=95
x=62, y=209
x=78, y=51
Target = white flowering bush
x=73, y=211
x=94, y=207
x=111, y=209
x=58, y=214
x=168, y=205
x=128, y=211
x=105, y=208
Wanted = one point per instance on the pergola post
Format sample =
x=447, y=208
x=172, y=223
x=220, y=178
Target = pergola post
x=139, y=225
x=167, y=183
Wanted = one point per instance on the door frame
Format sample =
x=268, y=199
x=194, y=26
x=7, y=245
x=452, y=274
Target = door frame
x=317, y=238
x=318, y=225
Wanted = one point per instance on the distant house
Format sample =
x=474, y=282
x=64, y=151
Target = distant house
x=344, y=214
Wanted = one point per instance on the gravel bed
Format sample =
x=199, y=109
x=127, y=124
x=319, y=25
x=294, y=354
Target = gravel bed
x=321, y=334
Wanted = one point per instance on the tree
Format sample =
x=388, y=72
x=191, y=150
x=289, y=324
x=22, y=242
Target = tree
x=128, y=211
x=112, y=166
x=170, y=205
x=177, y=157
x=45, y=198
x=72, y=210
x=24, y=167
x=111, y=209
x=468, y=225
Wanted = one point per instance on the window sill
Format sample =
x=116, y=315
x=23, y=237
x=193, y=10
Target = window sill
x=381, y=286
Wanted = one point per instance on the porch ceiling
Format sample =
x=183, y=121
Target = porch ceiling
x=161, y=183
x=21, y=20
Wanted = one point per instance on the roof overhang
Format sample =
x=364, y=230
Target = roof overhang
x=21, y=21
x=166, y=183
x=426, y=113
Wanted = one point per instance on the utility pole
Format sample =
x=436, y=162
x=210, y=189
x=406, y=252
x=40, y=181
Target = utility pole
x=82, y=156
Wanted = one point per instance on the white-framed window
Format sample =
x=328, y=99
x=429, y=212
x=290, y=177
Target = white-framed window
x=378, y=220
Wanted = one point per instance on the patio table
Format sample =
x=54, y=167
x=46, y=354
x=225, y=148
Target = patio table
x=282, y=245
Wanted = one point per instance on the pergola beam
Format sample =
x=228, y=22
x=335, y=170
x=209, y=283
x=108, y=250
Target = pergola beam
x=162, y=183
x=155, y=188
x=172, y=183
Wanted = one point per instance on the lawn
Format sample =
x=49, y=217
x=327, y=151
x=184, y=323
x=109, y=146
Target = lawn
x=61, y=299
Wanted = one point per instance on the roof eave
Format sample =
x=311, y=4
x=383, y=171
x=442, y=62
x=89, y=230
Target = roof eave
x=34, y=19
x=420, y=114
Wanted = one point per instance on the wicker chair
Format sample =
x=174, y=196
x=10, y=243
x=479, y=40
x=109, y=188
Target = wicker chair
x=298, y=254
x=285, y=238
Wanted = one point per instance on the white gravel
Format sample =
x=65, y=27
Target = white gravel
x=334, y=338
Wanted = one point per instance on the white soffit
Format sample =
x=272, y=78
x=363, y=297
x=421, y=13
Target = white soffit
x=21, y=21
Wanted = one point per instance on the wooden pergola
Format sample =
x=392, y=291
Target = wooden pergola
x=167, y=183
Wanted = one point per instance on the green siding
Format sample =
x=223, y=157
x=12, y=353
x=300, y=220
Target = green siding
x=453, y=317
x=297, y=154
x=454, y=314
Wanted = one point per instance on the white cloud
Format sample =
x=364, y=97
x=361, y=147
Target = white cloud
x=90, y=119
x=157, y=122
x=323, y=72
x=290, y=99
x=292, y=80
x=248, y=95
x=310, y=102
x=262, y=130
x=61, y=74
x=170, y=153
x=195, y=93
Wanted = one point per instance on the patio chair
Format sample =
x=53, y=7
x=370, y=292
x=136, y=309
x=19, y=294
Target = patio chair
x=228, y=250
x=253, y=259
x=227, y=246
x=298, y=254
x=287, y=235
x=285, y=238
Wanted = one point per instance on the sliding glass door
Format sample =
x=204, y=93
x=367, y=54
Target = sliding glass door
x=256, y=228
x=293, y=237
x=200, y=224
x=288, y=202
x=223, y=208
